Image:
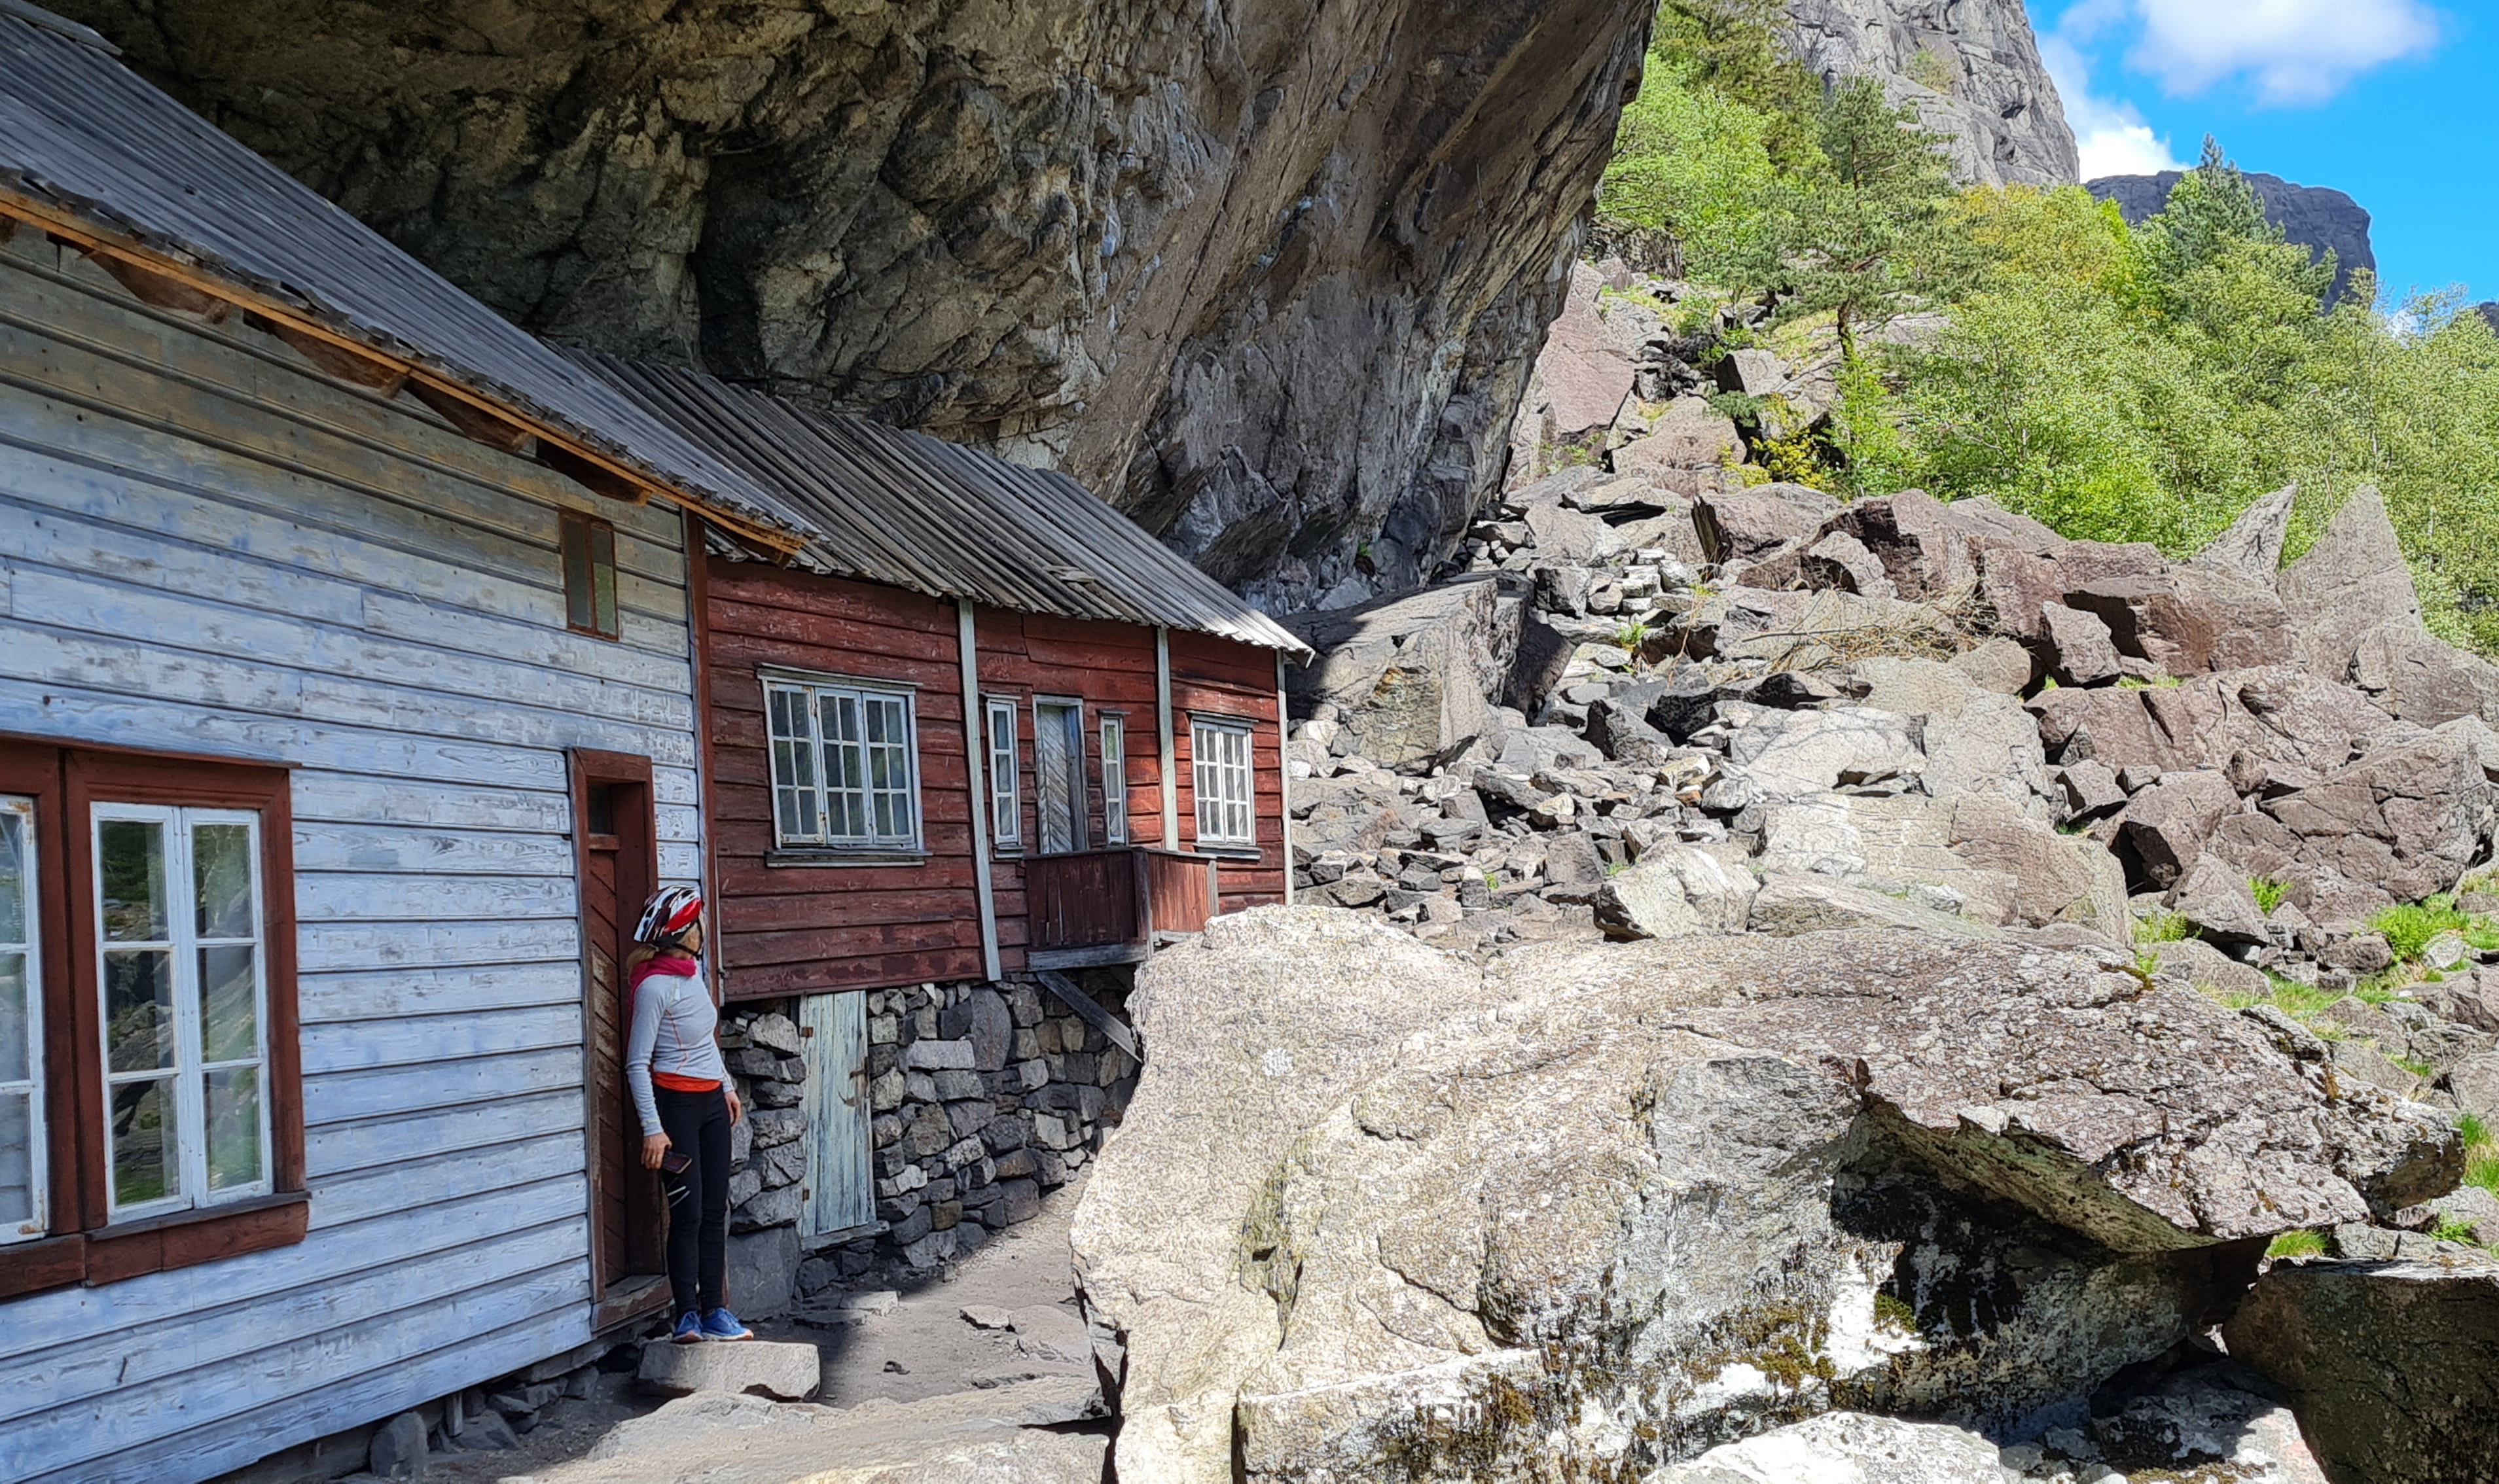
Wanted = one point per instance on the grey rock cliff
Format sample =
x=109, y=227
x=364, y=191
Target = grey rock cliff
x=1269, y=274
x=1970, y=66
x=2317, y=217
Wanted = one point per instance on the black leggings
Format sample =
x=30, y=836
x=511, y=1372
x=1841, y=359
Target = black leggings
x=697, y=1125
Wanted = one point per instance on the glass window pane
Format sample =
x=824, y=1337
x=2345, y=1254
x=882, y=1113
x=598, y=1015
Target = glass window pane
x=577, y=609
x=147, y=1146
x=138, y=1009
x=229, y=1004
x=16, y=1159
x=131, y=858
x=231, y=1102
x=221, y=865
x=14, y=852
x=15, y=1062
x=602, y=574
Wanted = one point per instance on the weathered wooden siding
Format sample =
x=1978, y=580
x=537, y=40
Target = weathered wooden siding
x=1223, y=678
x=792, y=929
x=262, y=562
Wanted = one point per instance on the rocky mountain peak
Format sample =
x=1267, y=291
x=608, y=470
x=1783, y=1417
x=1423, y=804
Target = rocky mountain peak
x=1970, y=66
x=2317, y=217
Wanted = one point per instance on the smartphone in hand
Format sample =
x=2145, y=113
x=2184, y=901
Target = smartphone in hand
x=675, y=1162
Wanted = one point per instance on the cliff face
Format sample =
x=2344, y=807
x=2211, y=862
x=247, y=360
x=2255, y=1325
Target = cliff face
x=2317, y=217
x=1972, y=68
x=1269, y=274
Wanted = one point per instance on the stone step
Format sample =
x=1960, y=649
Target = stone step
x=788, y=1372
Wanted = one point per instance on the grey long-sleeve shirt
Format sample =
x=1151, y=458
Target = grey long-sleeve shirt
x=673, y=1032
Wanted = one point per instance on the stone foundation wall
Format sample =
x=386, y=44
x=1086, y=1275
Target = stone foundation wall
x=984, y=1096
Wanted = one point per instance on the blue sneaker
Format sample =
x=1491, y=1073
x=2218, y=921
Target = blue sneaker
x=720, y=1324
x=690, y=1329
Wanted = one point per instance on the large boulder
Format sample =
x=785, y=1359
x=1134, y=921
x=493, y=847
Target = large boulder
x=2186, y=621
x=1413, y=678
x=1747, y=524
x=1977, y=856
x=2392, y=1367
x=2422, y=680
x=2352, y=581
x=2274, y=715
x=2019, y=580
x=1002, y=1435
x=1780, y=755
x=1976, y=740
x=2163, y=828
x=2400, y=823
x=1371, y=1214
x=1928, y=547
x=1676, y=891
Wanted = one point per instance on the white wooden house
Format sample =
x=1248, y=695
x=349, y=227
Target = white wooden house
x=346, y=701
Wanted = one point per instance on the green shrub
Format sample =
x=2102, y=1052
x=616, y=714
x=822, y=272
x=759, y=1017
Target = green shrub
x=1632, y=634
x=2449, y=1229
x=2473, y=1129
x=2158, y=926
x=2300, y=1244
x=2483, y=1170
x=2267, y=891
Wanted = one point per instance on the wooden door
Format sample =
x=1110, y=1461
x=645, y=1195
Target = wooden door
x=833, y=1042
x=1059, y=774
x=617, y=846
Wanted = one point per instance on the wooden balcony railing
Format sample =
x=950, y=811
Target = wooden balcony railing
x=1109, y=906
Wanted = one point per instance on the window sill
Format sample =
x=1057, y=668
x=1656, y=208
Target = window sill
x=1238, y=852
x=815, y=858
x=158, y=1245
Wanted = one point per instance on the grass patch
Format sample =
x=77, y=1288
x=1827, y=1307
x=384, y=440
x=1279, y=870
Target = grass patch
x=2449, y=1229
x=2416, y=1067
x=2481, y=1153
x=1632, y=636
x=2300, y=1244
x=2408, y=929
x=2267, y=891
x=2158, y=926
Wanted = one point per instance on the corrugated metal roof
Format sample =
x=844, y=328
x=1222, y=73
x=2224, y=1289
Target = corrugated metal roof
x=912, y=511
x=83, y=135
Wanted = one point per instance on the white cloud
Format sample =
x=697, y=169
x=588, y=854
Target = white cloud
x=2110, y=133
x=2295, y=51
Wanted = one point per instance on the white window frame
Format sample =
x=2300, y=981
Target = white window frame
x=1114, y=778
x=805, y=764
x=190, y=1070
x=1221, y=768
x=1006, y=798
x=39, y=1160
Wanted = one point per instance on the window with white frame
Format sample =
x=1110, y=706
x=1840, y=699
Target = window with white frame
x=1006, y=803
x=1219, y=760
x=183, y=979
x=23, y=1165
x=845, y=764
x=1115, y=780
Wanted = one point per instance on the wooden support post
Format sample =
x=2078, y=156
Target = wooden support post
x=976, y=758
x=1163, y=735
x=1284, y=779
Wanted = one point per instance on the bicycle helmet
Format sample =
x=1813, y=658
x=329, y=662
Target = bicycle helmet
x=670, y=911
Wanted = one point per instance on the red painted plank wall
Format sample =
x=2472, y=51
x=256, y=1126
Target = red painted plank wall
x=1221, y=678
x=789, y=930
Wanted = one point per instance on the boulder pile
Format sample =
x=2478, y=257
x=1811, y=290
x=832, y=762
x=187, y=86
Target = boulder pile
x=1651, y=715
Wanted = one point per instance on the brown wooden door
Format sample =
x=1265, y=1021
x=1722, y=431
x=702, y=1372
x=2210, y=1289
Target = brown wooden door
x=616, y=836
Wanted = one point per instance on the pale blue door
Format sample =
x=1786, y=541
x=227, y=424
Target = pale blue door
x=834, y=1043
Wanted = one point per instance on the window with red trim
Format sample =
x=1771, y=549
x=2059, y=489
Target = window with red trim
x=150, y=1108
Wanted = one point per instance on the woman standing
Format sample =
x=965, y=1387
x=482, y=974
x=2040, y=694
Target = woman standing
x=681, y=1091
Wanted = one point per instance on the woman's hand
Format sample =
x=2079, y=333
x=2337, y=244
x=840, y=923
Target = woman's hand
x=737, y=1108
x=654, y=1146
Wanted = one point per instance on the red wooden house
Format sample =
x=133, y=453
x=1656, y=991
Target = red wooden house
x=1121, y=770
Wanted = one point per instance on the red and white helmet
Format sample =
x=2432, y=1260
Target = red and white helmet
x=670, y=911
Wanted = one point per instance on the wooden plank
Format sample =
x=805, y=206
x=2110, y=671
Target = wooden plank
x=401, y=1090
x=323, y=795
x=414, y=1039
x=420, y=1188
x=347, y=945
x=413, y=848
x=373, y=1143
x=369, y=897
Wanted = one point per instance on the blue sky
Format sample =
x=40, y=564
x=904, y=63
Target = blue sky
x=2395, y=102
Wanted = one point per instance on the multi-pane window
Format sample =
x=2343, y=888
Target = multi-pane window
x=845, y=767
x=1006, y=804
x=182, y=979
x=22, y=1165
x=1220, y=759
x=1115, y=780
x=589, y=575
